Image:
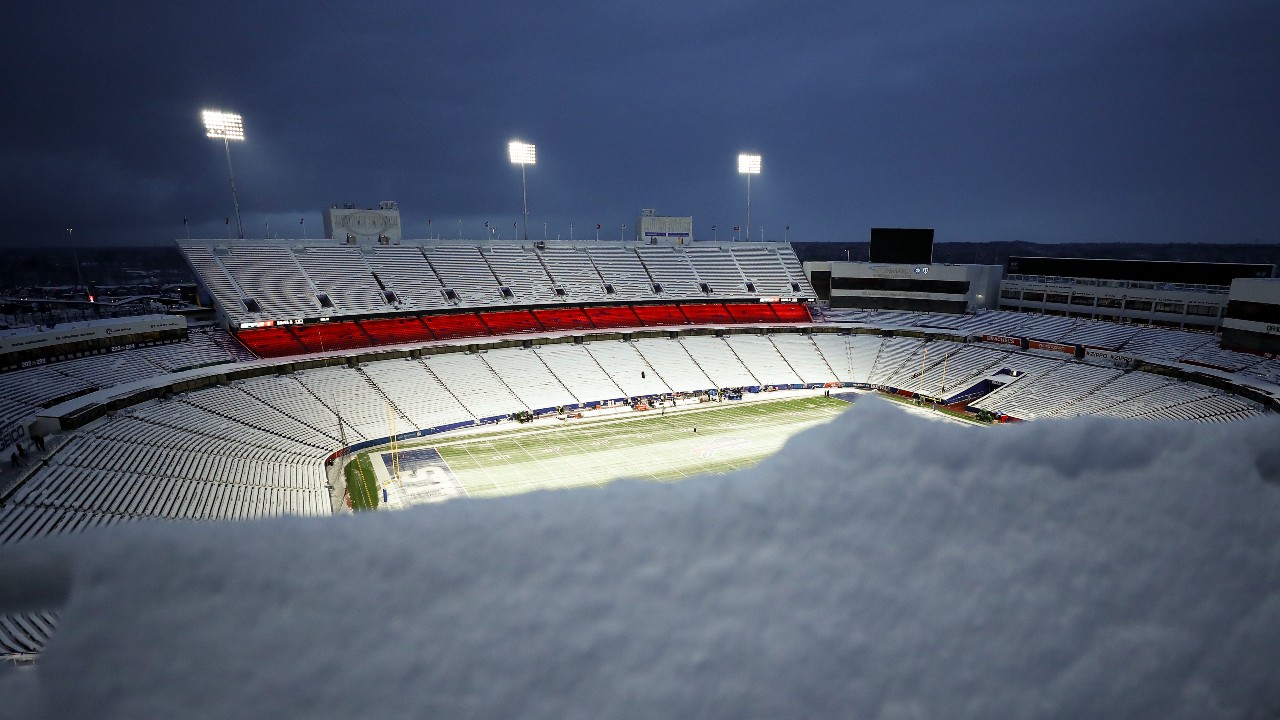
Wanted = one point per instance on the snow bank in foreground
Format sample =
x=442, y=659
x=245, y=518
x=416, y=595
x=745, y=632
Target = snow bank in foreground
x=882, y=566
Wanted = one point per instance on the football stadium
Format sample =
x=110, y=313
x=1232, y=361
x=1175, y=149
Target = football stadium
x=341, y=376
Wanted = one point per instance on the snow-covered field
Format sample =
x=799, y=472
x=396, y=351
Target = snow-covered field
x=880, y=566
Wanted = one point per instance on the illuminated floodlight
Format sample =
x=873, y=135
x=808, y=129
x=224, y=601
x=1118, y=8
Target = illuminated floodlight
x=223, y=126
x=748, y=165
x=522, y=153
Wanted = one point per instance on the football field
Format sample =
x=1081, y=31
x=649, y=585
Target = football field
x=572, y=453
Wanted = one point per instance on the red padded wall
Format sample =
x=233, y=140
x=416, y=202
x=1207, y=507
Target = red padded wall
x=461, y=325
x=708, y=314
x=613, y=317
x=654, y=315
x=270, y=342
x=792, y=312
x=751, y=312
x=571, y=318
x=392, y=331
x=510, y=322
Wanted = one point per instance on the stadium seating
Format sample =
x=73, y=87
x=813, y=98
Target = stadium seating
x=791, y=312
x=271, y=342
x=751, y=312
x=393, y=331
x=579, y=372
x=707, y=314
x=532, y=381
x=510, y=322
x=674, y=365
x=460, y=325
x=804, y=358
x=570, y=318
x=484, y=394
x=762, y=359
x=341, y=335
x=341, y=275
x=628, y=369
x=719, y=362
x=612, y=317
x=660, y=315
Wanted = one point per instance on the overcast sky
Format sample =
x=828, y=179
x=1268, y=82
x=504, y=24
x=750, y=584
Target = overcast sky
x=1085, y=121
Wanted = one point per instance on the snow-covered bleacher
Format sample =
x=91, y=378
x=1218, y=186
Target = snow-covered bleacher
x=672, y=362
x=804, y=357
x=719, y=362
x=762, y=359
x=532, y=381
x=628, y=369
x=474, y=384
x=323, y=278
x=579, y=371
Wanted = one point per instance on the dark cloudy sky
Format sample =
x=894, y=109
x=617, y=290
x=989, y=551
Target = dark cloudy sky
x=1088, y=120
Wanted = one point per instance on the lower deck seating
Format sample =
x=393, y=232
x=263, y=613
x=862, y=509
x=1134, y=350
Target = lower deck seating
x=706, y=314
x=392, y=331
x=460, y=325
x=271, y=342
x=607, y=317
x=660, y=315
x=571, y=318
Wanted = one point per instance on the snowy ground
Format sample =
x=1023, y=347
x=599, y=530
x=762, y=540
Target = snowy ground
x=880, y=566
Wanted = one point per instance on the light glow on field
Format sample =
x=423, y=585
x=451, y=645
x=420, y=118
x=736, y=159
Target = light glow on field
x=650, y=445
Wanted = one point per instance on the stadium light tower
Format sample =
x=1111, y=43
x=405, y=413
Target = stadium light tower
x=228, y=127
x=749, y=165
x=523, y=154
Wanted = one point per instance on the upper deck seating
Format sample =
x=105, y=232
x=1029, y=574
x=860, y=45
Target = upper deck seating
x=405, y=272
x=342, y=277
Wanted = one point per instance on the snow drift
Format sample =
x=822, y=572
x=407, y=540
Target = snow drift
x=881, y=566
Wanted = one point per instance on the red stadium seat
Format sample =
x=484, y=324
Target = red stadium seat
x=271, y=342
x=751, y=312
x=707, y=314
x=659, y=315
x=612, y=317
x=322, y=337
x=392, y=331
x=792, y=312
x=571, y=318
x=459, y=325
x=510, y=322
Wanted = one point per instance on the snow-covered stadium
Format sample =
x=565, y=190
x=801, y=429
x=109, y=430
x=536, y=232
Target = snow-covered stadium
x=321, y=349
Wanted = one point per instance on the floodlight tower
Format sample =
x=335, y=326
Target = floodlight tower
x=228, y=127
x=523, y=154
x=749, y=165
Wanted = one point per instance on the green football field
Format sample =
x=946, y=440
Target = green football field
x=573, y=454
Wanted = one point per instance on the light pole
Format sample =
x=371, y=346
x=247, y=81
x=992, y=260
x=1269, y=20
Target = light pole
x=228, y=127
x=749, y=165
x=523, y=154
